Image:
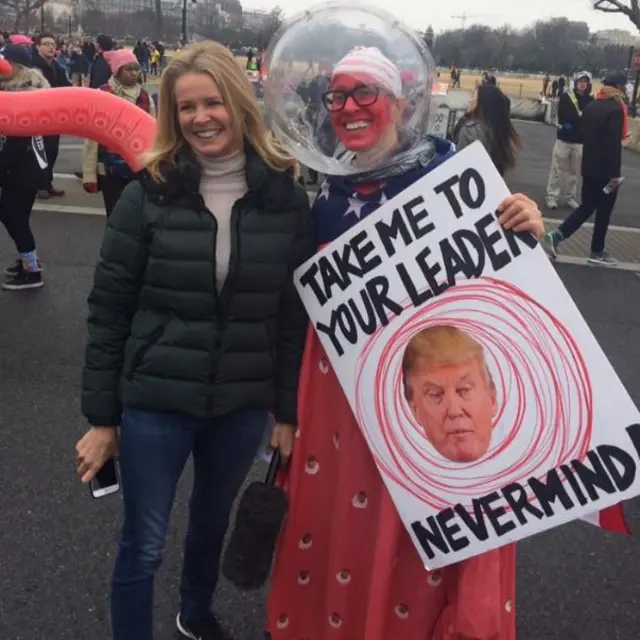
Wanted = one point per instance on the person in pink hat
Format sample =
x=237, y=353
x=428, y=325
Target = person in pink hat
x=18, y=38
x=103, y=170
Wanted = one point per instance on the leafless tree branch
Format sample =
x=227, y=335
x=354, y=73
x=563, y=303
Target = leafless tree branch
x=22, y=6
x=629, y=8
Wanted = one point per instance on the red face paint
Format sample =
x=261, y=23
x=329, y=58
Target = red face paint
x=375, y=118
x=6, y=71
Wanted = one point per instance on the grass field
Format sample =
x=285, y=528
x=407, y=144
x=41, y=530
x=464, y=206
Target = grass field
x=513, y=86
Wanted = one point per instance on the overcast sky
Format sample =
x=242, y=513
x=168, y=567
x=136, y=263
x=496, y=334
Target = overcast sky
x=420, y=13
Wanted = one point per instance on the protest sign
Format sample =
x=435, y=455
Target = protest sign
x=489, y=407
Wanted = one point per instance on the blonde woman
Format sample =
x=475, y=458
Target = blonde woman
x=195, y=329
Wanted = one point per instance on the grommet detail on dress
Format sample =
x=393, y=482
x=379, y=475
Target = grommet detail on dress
x=434, y=579
x=323, y=365
x=283, y=621
x=303, y=577
x=312, y=467
x=335, y=620
x=402, y=611
x=360, y=500
x=305, y=541
x=344, y=577
x=508, y=606
x=336, y=440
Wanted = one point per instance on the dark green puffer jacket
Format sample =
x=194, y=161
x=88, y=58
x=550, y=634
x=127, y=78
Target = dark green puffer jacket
x=161, y=338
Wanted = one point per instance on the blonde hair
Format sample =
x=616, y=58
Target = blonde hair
x=237, y=93
x=442, y=346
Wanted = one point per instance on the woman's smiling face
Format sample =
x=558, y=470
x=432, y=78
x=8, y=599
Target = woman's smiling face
x=362, y=111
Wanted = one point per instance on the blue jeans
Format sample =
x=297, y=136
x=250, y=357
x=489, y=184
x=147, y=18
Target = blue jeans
x=154, y=448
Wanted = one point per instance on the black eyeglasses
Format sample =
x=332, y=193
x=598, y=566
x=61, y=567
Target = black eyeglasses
x=363, y=95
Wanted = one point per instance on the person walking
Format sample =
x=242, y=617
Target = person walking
x=567, y=151
x=100, y=70
x=141, y=52
x=45, y=61
x=23, y=170
x=196, y=330
x=604, y=127
x=80, y=66
x=488, y=119
x=104, y=170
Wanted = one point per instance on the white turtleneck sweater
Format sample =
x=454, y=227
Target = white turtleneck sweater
x=222, y=183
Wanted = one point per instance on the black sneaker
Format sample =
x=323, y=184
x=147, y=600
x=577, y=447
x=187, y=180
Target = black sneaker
x=24, y=280
x=207, y=629
x=15, y=269
x=602, y=259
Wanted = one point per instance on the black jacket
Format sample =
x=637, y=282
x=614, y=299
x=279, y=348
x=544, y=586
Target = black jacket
x=602, y=125
x=79, y=63
x=570, y=117
x=100, y=72
x=19, y=165
x=53, y=72
x=161, y=337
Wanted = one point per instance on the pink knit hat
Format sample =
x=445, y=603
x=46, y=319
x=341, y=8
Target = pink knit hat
x=119, y=58
x=372, y=62
x=18, y=38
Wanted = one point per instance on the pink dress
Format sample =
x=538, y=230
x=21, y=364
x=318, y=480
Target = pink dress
x=345, y=566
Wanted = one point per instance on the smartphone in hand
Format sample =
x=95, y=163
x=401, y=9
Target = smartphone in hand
x=613, y=185
x=106, y=481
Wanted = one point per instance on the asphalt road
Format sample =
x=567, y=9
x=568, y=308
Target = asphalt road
x=57, y=543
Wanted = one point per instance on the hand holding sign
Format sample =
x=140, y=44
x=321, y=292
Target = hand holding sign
x=520, y=213
x=468, y=367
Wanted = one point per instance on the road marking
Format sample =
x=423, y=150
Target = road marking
x=589, y=225
x=65, y=176
x=93, y=211
x=530, y=121
x=62, y=208
x=619, y=266
x=98, y=211
x=71, y=147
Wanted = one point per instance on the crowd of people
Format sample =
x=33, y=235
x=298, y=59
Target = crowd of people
x=591, y=131
x=41, y=61
x=197, y=334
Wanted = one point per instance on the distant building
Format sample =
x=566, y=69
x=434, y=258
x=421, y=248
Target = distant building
x=618, y=37
x=255, y=19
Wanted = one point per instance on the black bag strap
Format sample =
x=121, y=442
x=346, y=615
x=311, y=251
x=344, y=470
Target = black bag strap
x=274, y=467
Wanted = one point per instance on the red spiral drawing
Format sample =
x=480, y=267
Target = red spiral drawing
x=544, y=416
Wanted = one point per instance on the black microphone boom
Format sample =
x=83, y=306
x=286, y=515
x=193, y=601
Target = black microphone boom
x=249, y=555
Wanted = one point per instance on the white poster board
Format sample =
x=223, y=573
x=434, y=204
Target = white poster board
x=489, y=407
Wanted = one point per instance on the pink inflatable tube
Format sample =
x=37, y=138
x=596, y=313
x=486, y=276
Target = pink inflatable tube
x=120, y=126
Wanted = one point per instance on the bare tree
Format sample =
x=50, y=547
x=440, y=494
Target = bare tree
x=159, y=22
x=629, y=8
x=21, y=10
x=273, y=23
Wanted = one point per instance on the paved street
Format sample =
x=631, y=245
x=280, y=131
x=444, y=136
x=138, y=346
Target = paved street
x=57, y=543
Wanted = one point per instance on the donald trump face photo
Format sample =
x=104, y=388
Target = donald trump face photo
x=450, y=392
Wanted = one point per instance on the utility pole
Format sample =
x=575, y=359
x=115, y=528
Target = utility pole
x=184, y=22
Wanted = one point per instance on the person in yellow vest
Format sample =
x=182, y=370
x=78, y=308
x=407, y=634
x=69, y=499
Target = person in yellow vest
x=567, y=151
x=154, y=59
